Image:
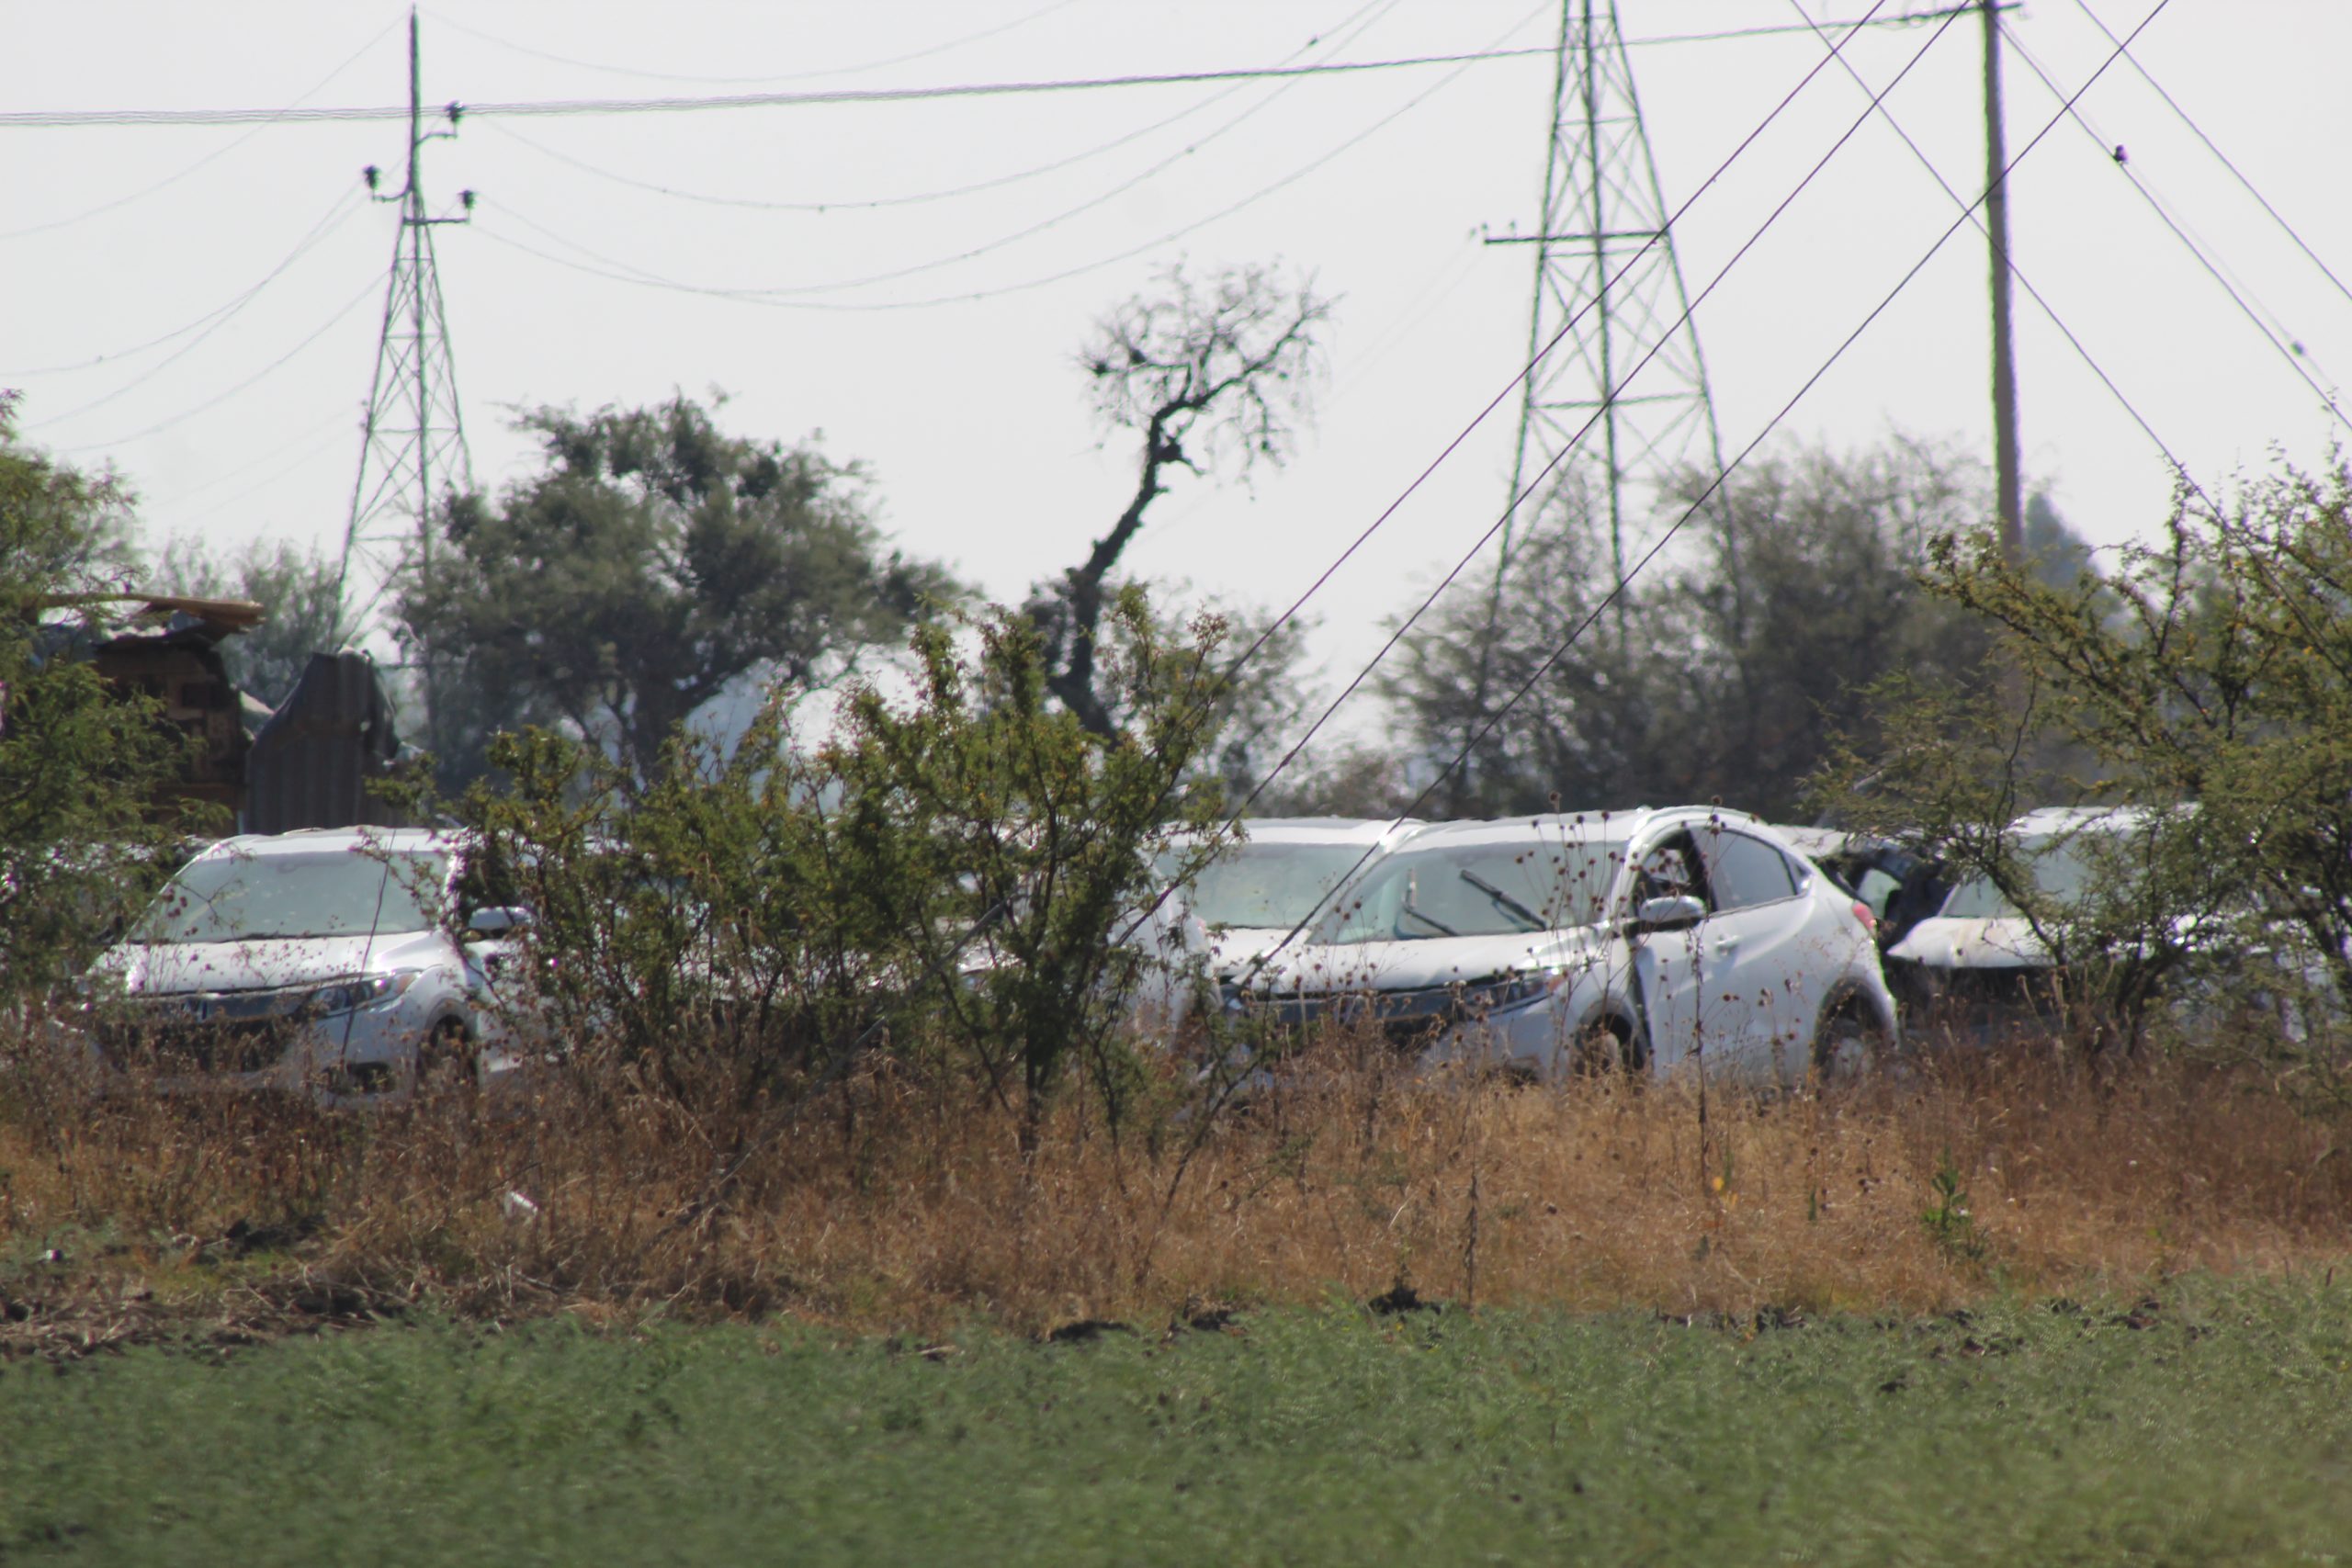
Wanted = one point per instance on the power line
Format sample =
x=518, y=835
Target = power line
x=1091, y=204
x=622, y=272
x=2182, y=229
x=1617, y=590
x=925, y=53
x=51, y=119
x=1908, y=20
x=220, y=152
x=2293, y=356
x=217, y=398
x=1610, y=395
x=920, y=197
x=2199, y=132
x=313, y=441
x=1968, y=211
x=308, y=434
x=55, y=119
x=328, y=225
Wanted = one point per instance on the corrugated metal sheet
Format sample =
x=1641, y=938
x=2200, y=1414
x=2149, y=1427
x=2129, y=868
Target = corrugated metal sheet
x=311, y=765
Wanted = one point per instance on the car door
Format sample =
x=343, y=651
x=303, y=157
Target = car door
x=1760, y=989
x=1667, y=979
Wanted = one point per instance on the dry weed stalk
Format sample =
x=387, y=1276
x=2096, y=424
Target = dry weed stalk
x=898, y=1202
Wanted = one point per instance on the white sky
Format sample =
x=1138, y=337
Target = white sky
x=970, y=414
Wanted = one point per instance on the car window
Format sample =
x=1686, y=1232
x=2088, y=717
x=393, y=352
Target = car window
x=2059, y=871
x=1877, y=886
x=1669, y=870
x=1271, y=885
x=1746, y=871
x=1476, y=890
x=239, y=897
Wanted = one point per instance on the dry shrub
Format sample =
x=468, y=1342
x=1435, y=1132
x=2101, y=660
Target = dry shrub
x=897, y=1202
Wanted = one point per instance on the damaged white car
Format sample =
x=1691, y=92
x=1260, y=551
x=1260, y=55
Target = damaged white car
x=326, y=963
x=1640, y=941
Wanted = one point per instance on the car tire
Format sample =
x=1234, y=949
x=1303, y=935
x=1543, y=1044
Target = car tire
x=1849, y=1043
x=448, y=1058
x=1604, y=1051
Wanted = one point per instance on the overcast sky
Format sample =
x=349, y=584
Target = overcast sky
x=954, y=380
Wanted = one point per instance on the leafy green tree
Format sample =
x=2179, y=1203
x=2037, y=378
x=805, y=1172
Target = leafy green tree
x=1016, y=848
x=949, y=880
x=80, y=842
x=301, y=589
x=2206, y=679
x=653, y=563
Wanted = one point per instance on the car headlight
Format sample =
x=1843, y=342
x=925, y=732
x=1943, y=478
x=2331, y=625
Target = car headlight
x=349, y=996
x=1517, y=991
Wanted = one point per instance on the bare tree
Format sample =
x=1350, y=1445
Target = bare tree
x=1213, y=374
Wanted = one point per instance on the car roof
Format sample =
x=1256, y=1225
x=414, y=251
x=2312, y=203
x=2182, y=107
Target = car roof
x=2050, y=820
x=1327, y=830
x=352, y=841
x=1581, y=826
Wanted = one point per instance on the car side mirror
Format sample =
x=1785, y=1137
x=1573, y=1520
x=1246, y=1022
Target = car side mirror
x=498, y=920
x=1669, y=914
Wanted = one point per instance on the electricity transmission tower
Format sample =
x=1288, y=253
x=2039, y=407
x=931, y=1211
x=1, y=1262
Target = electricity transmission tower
x=1605, y=262
x=415, y=445
x=1621, y=400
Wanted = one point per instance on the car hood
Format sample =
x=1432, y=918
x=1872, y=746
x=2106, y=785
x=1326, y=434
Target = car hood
x=1946, y=943
x=168, y=968
x=1417, y=966
x=1232, y=949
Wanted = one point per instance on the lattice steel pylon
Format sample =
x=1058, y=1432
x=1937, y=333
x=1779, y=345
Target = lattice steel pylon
x=414, y=446
x=1630, y=365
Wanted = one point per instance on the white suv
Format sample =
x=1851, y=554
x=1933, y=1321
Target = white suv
x=1547, y=944
x=325, y=962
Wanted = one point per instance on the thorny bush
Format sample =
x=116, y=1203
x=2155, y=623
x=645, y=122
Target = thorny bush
x=958, y=883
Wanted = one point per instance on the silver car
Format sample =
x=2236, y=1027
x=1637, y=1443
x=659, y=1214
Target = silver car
x=1642, y=939
x=324, y=962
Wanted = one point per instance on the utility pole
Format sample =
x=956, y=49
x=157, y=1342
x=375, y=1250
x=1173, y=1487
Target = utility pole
x=2010, y=490
x=414, y=437
x=1628, y=369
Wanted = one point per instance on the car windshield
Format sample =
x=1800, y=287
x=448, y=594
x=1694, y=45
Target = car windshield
x=260, y=898
x=1270, y=885
x=1477, y=890
x=2060, y=874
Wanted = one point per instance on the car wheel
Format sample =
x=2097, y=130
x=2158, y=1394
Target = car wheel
x=1849, y=1042
x=448, y=1058
x=1604, y=1051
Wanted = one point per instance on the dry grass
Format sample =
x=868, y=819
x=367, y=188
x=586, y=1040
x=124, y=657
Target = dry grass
x=896, y=1205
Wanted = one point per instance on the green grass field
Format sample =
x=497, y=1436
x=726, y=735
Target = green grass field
x=2212, y=1426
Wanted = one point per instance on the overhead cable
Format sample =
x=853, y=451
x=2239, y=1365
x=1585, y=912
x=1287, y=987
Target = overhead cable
x=374, y=287
x=829, y=96
x=1617, y=590
x=2198, y=131
x=220, y=152
x=341, y=211
x=40, y=118
x=925, y=53
x=2282, y=341
x=623, y=272
x=996, y=182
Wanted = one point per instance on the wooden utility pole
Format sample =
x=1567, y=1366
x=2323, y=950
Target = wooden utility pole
x=2011, y=495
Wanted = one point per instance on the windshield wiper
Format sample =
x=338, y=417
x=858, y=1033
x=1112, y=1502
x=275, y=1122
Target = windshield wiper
x=1407, y=908
x=1503, y=900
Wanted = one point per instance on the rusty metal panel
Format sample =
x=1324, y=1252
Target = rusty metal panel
x=313, y=763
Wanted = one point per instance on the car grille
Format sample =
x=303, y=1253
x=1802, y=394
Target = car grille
x=233, y=1031
x=1410, y=1020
